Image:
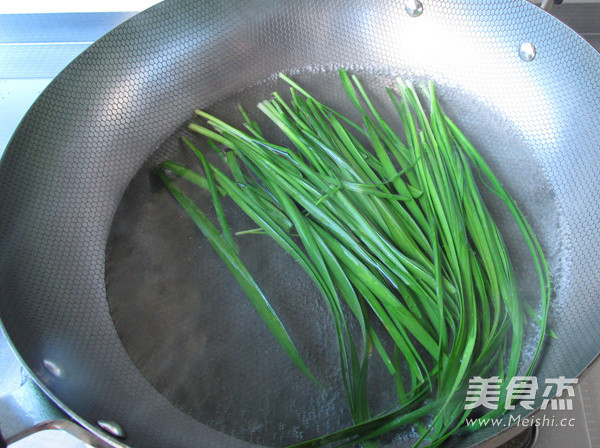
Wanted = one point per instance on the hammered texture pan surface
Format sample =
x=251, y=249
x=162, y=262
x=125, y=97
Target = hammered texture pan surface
x=72, y=158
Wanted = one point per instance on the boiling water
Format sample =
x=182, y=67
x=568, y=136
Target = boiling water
x=189, y=328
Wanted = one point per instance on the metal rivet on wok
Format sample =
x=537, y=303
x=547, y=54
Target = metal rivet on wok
x=112, y=428
x=414, y=8
x=53, y=368
x=527, y=51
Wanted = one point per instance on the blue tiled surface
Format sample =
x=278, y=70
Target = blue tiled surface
x=45, y=60
x=58, y=27
x=16, y=96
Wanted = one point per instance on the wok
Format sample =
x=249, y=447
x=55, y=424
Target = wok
x=120, y=310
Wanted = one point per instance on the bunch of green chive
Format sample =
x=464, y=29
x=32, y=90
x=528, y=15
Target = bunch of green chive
x=394, y=230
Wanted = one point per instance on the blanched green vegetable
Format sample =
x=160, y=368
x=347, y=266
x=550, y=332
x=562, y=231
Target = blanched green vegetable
x=395, y=230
